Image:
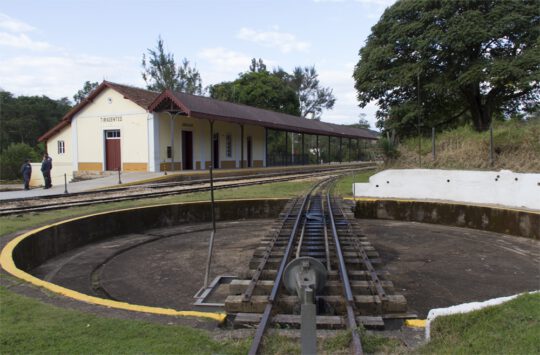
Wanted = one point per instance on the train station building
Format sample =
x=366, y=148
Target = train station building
x=119, y=127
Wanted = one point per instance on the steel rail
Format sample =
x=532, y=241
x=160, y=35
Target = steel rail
x=265, y=320
x=59, y=205
x=326, y=242
x=351, y=319
x=365, y=260
x=299, y=246
x=248, y=293
x=157, y=185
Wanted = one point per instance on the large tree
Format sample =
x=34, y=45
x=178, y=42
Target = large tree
x=259, y=89
x=447, y=60
x=160, y=72
x=83, y=93
x=313, y=97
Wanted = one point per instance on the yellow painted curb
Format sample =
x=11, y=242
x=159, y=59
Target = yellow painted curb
x=416, y=323
x=7, y=263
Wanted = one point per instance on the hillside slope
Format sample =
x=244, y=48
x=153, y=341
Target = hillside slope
x=517, y=148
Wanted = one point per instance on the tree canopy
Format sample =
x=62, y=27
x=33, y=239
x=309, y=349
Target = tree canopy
x=451, y=61
x=160, y=72
x=302, y=86
x=83, y=93
x=313, y=98
x=25, y=118
x=259, y=89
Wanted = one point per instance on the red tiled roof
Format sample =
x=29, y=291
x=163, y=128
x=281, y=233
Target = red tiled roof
x=139, y=96
x=205, y=107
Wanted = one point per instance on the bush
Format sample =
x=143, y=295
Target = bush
x=13, y=157
x=388, y=148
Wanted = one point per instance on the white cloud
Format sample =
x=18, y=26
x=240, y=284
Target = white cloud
x=285, y=42
x=225, y=60
x=220, y=64
x=14, y=25
x=22, y=41
x=14, y=35
x=62, y=75
x=346, y=109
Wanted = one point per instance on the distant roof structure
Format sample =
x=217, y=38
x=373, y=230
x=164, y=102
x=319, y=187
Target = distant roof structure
x=212, y=109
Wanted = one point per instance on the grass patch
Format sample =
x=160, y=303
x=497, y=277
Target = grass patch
x=343, y=186
x=30, y=327
x=287, y=189
x=280, y=345
x=338, y=344
x=516, y=147
x=511, y=328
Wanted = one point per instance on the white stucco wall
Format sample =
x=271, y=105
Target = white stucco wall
x=109, y=111
x=483, y=187
x=201, y=143
x=52, y=146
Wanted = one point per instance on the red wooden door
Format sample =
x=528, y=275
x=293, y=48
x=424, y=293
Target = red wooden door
x=112, y=150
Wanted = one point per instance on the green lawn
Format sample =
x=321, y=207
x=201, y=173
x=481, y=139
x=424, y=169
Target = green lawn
x=344, y=185
x=512, y=328
x=30, y=327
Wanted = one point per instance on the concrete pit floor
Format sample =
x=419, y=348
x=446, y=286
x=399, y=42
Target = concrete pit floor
x=432, y=266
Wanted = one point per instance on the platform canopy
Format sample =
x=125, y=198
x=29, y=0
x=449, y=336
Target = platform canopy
x=212, y=109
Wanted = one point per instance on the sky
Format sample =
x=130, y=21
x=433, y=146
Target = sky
x=52, y=47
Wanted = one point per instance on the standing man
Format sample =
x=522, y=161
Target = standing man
x=46, y=166
x=26, y=170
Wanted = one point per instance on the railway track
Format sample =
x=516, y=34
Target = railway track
x=356, y=293
x=46, y=203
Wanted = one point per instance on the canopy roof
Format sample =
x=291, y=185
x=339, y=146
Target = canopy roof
x=212, y=109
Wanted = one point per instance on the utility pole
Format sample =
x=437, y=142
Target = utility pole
x=419, y=136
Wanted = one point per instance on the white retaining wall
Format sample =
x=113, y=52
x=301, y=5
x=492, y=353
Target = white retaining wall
x=481, y=187
x=57, y=174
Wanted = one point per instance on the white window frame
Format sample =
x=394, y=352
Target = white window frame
x=228, y=146
x=61, y=147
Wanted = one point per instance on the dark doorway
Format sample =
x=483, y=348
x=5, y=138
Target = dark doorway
x=249, y=151
x=215, y=147
x=187, y=150
x=112, y=150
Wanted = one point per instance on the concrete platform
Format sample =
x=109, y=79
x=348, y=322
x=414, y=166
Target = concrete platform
x=433, y=266
x=79, y=186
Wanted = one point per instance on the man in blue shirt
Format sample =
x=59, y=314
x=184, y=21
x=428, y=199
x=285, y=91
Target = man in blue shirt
x=26, y=170
x=46, y=166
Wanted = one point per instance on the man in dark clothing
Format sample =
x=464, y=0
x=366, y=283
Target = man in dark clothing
x=46, y=166
x=26, y=170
